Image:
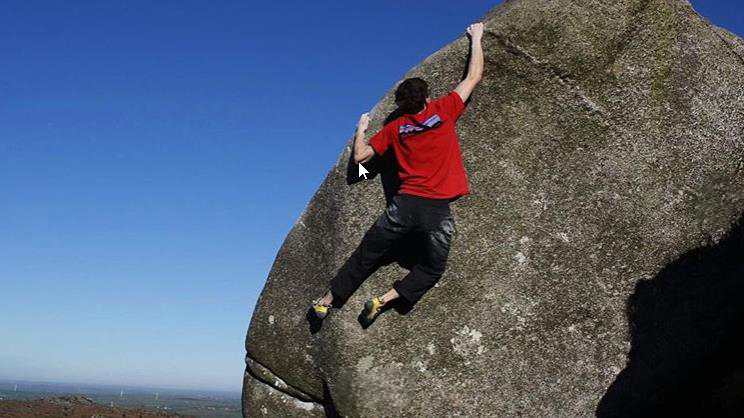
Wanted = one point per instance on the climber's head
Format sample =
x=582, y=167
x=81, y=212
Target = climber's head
x=411, y=95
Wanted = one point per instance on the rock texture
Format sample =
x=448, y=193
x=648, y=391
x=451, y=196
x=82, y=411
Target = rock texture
x=603, y=146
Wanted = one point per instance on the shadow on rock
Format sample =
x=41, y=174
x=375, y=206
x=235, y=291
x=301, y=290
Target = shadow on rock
x=687, y=352
x=313, y=321
x=328, y=407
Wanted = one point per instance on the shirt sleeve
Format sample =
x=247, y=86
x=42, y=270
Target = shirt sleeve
x=382, y=140
x=452, y=105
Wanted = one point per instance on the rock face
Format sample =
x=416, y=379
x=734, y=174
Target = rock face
x=604, y=152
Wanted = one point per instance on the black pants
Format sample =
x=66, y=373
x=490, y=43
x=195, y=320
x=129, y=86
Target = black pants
x=431, y=219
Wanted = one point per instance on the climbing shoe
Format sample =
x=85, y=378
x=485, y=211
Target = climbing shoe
x=372, y=308
x=321, y=310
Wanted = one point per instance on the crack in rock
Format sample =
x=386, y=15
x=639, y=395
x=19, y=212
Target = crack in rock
x=265, y=375
x=728, y=44
x=590, y=105
x=297, y=403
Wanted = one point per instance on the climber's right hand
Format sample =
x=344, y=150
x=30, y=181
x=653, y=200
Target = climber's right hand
x=363, y=122
x=475, y=30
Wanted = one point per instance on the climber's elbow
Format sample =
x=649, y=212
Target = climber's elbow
x=363, y=155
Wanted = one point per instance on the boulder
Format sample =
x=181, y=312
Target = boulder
x=604, y=149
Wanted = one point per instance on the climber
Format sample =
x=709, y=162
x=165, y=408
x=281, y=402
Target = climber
x=432, y=175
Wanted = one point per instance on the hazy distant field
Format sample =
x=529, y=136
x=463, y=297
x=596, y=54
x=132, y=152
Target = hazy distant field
x=207, y=404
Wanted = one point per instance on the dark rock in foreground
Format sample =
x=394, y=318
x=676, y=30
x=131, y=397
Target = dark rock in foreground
x=604, y=149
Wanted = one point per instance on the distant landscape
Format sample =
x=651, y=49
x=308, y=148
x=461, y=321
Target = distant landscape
x=209, y=404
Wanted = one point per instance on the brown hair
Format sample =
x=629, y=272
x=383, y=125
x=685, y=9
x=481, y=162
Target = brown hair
x=411, y=94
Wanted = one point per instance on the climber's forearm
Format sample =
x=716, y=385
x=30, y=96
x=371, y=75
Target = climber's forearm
x=475, y=66
x=362, y=151
x=475, y=69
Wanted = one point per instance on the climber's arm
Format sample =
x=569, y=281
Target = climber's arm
x=475, y=68
x=362, y=151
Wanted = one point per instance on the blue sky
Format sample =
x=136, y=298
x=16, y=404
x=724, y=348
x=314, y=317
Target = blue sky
x=153, y=156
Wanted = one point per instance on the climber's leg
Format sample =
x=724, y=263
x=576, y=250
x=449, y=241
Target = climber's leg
x=425, y=275
x=390, y=296
x=391, y=225
x=327, y=299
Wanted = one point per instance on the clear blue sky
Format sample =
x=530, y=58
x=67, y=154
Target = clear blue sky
x=153, y=156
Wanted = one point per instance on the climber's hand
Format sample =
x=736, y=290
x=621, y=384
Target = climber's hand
x=363, y=122
x=475, y=30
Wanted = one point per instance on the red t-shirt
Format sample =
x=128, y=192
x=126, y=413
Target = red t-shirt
x=427, y=149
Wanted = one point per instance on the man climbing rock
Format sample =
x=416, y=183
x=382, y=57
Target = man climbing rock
x=432, y=175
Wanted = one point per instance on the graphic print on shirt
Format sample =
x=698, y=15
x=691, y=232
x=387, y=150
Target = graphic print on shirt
x=407, y=130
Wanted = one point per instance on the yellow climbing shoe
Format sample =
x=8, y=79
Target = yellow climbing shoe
x=321, y=310
x=372, y=308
